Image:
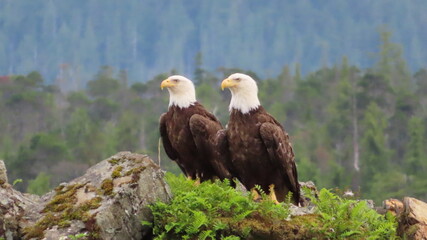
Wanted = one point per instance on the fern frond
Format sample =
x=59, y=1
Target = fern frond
x=206, y=234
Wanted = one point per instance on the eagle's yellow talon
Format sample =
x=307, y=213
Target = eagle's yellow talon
x=197, y=182
x=255, y=195
x=272, y=194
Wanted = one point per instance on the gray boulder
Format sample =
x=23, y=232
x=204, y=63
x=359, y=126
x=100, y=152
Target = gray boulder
x=108, y=202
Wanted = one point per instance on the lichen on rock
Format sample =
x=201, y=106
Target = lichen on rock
x=107, y=202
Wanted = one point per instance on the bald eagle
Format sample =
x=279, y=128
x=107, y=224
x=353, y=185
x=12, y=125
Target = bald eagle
x=259, y=147
x=188, y=132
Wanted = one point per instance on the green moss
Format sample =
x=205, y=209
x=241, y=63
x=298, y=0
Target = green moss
x=135, y=172
x=258, y=227
x=61, y=210
x=117, y=172
x=61, y=207
x=37, y=230
x=107, y=186
x=128, y=173
x=114, y=161
x=93, y=203
x=76, y=213
x=94, y=236
x=64, y=198
x=59, y=188
x=99, y=192
x=64, y=223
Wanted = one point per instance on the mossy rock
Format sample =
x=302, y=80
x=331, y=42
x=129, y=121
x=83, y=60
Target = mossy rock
x=111, y=194
x=61, y=210
x=260, y=228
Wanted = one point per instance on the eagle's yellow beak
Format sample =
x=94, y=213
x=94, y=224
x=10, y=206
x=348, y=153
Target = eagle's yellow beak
x=227, y=83
x=166, y=83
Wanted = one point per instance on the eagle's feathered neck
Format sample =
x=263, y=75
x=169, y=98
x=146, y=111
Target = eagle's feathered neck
x=182, y=99
x=244, y=100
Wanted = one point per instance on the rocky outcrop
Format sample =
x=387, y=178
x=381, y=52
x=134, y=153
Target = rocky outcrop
x=108, y=202
x=413, y=219
x=394, y=206
x=411, y=215
x=15, y=208
x=111, y=199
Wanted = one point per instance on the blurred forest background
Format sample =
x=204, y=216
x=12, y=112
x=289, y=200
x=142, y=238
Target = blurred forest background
x=80, y=82
x=67, y=41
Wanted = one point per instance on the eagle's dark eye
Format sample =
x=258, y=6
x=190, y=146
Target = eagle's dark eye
x=175, y=80
x=237, y=79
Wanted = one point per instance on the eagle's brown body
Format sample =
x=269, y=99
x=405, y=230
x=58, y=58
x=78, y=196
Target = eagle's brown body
x=261, y=153
x=188, y=136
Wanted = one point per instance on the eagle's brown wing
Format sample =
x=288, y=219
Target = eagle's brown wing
x=204, y=130
x=170, y=151
x=222, y=154
x=281, y=154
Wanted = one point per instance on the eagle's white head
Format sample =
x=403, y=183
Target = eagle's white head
x=181, y=91
x=244, y=92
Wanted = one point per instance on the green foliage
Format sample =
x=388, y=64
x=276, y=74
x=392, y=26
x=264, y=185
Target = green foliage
x=391, y=64
x=206, y=211
x=375, y=153
x=16, y=181
x=388, y=184
x=129, y=128
x=416, y=155
x=50, y=147
x=212, y=210
x=351, y=219
x=40, y=185
x=104, y=85
x=77, y=236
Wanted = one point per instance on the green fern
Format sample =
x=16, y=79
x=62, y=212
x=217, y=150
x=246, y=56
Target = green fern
x=351, y=219
x=196, y=211
x=218, y=225
x=212, y=210
x=147, y=223
x=246, y=231
x=207, y=234
x=260, y=191
x=242, y=215
x=75, y=237
x=230, y=238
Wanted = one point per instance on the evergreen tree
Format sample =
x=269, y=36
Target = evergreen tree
x=406, y=106
x=420, y=78
x=375, y=154
x=416, y=155
x=391, y=64
x=343, y=124
x=199, y=72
